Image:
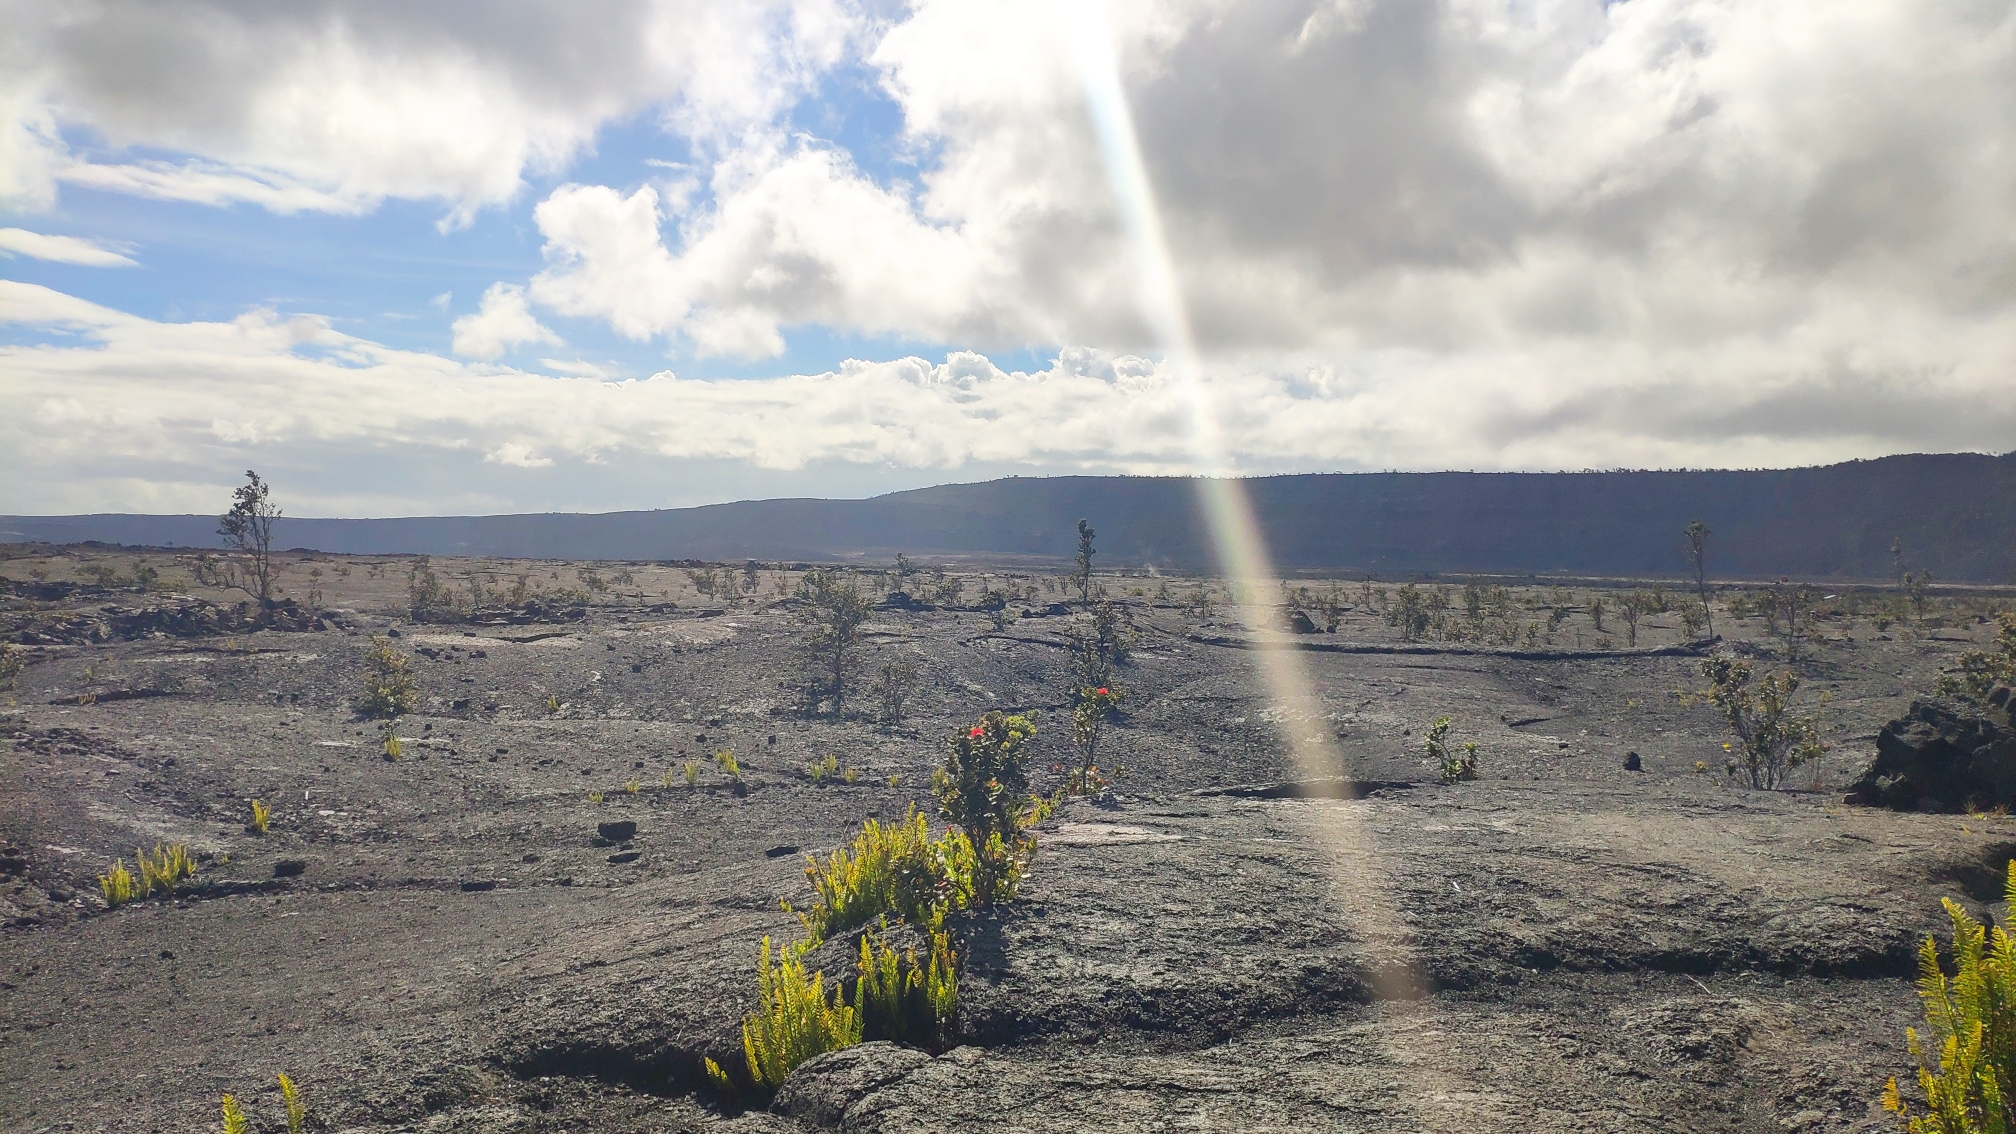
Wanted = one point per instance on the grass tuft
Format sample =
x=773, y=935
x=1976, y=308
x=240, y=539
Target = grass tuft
x=262, y=815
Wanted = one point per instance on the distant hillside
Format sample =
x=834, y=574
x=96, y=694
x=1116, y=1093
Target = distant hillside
x=1955, y=513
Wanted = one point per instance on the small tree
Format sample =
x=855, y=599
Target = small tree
x=1410, y=611
x=1771, y=739
x=1697, y=557
x=1088, y=725
x=1788, y=613
x=1631, y=607
x=835, y=608
x=1917, y=584
x=983, y=789
x=389, y=687
x=893, y=686
x=248, y=531
x=1083, y=572
x=1096, y=649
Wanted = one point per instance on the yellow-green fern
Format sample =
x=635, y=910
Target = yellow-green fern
x=297, y=1113
x=161, y=870
x=235, y=1121
x=893, y=870
x=902, y=998
x=795, y=1019
x=118, y=885
x=261, y=816
x=1970, y=1025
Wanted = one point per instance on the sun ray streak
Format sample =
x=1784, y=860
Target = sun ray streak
x=1338, y=832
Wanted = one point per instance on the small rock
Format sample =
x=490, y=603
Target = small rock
x=780, y=852
x=289, y=867
x=1632, y=763
x=622, y=857
x=617, y=830
x=479, y=886
x=823, y=1087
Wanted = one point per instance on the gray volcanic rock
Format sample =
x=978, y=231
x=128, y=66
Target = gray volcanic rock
x=1943, y=758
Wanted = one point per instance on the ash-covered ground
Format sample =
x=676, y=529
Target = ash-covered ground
x=456, y=949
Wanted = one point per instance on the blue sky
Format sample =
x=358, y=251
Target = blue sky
x=696, y=252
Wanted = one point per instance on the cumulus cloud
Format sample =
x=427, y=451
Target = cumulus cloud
x=61, y=249
x=501, y=323
x=335, y=106
x=108, y=401
x=1659, y=183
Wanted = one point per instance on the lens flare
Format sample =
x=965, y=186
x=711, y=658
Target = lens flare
x=1235, y=535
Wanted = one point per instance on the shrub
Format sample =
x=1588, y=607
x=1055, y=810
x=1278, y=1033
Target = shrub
x=894, y=870
x=818, y=770
x=1099, y=647
x=1977, y=671
x=1088, y=724
x=1410, y=612
x=10, y=665
x=390, y=743
x=389, y=687
x=1970, y=1023
x=893, y=688
x=983, y=789
x=795, y=1020
x=1455, y=764
x=1770, y=739
x=262, y=815
x=428, y=598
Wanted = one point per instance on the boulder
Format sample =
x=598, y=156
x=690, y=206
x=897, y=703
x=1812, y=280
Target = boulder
x=1944, y=757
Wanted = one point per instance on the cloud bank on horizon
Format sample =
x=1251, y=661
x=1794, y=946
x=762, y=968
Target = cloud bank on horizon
x=602, y=255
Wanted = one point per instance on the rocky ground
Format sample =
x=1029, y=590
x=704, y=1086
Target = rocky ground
x=445, y=943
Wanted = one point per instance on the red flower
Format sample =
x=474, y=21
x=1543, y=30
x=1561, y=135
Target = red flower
x=977, y=730
x=1102, y=692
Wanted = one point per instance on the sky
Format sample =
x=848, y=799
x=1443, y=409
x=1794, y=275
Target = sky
x=455, y=258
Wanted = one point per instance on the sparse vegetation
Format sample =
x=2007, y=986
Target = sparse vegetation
x=820, y=769
x=1455, y=764
x=235, y=1121
x=1975, y=672
x=1696, y=535
x=835, y=608
x=692, y=772
x=1967, y=1055
x=727, y=762
x=11, y=664
x=892, y=688
x=161, y=870
x=1088, y=725
x=262, y=815
x=1410, y=612
x=1771, y=739
x=389, y=687
x=907, y=999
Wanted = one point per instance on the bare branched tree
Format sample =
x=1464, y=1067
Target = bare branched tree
x=248, y=531
x=1697, y=557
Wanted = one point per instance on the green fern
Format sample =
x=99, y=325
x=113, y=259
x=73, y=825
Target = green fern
x=894, y=870
x=1970, y=1022
x=297, y=1113
x=904, y=999
x=235, y=1121
x=795, y=1020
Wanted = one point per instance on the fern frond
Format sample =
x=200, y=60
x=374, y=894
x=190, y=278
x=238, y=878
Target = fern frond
x=297, y=1114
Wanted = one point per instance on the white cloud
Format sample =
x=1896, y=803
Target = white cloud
x=502, y=322
x=330, y=106
x=107, y=401
x=61, y=249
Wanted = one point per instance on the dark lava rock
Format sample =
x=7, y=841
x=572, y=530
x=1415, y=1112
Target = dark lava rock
x=1632, y=763
x=902, y=600
x=289, y=867
x=478, y=887
x=1299, y=622
x=617, y=830
x=823, y=1087
x=780, y=852
x=1939, y=757
x=624, y=857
